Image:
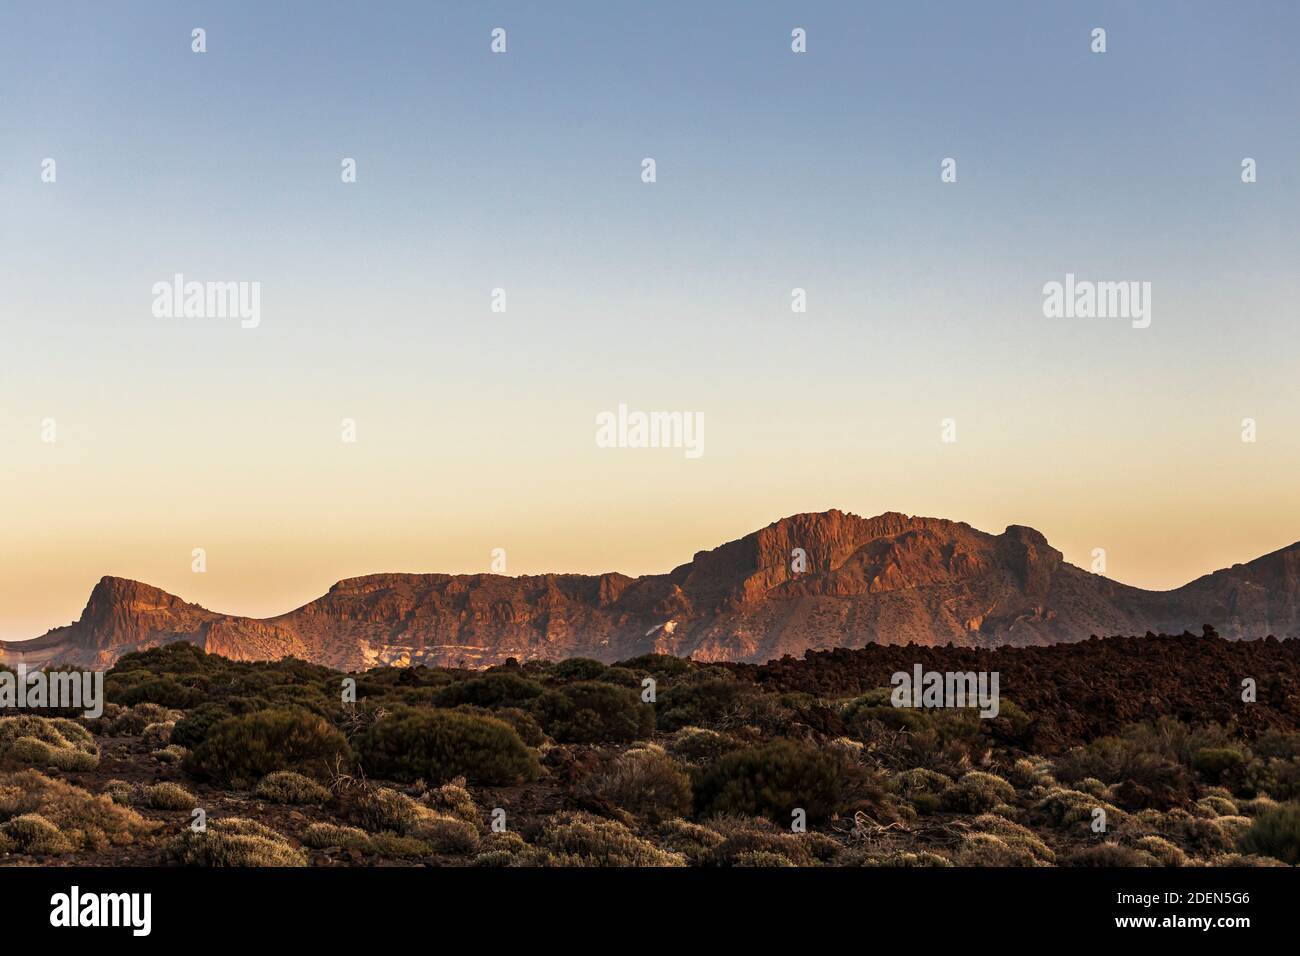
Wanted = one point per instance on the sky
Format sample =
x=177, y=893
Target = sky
x=523, y=171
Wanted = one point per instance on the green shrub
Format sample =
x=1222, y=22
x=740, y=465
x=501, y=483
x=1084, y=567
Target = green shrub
x=497, y=689
x=577, y=669
x=285, y=786
x=322, y=836
x=160, y=690
x=438, y=745
x=191, y=729
x=646, y=781
x=235, y=841
x=698, y=745
x=240, y=750
x=772, y=780
x=28, y=740
x=591, y=712
x=1275, y=833
x=706, y=703
x=32, y=833
x=1217, y=763
x=167, y=796
x=580, y=839
x=977, y=792
x=1109, y=855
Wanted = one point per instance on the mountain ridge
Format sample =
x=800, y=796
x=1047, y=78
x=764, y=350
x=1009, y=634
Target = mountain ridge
x=815, y=580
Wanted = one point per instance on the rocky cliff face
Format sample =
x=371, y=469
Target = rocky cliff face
x=809, y=581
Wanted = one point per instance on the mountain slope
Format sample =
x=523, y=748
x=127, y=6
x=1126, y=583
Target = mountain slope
x=889, y=579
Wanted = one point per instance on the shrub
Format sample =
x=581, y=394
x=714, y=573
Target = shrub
x=498, y=689
x=235, y=841
x=1275, y=833
x=32, y=833
x=977, y=792
x=28, y=740
x=692, y=840
x=380, y=808
x=591, y=712
x=580, y=839
x=1165, y=853
x=285, y=786
x=743, y=836
x=1066, y=809
x=190, y=730
x=705, y=703
x=1015, y=836
x=88, y=821
x=578, y=669
x=1109, y=855
x=646, y=781
x=399, y=847
x=447, y=835
x=323, y=836
x=240, y=750
x=1217, y=763
x=171, y=754
x=119, y=791
x=167, y=796
x=453, y=800
x=134, y=721
x=523, y=723
x=164, y=691
x=439, y=745
x=772, y=780
x=698, y=745
x=989, y=849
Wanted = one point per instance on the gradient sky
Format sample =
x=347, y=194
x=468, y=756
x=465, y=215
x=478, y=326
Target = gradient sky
x=775, y=170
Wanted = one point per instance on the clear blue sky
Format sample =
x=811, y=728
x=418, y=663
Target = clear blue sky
x=522, y=171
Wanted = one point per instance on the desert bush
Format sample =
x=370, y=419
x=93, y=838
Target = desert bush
x=580, y=839
x=28, y=740
x=1218, y=763
x=376, y=809
x=133, y=722
x=977, y=792
x=1275, y=833
x=691, y=840
x=1218, y=806
x=88, y=821
x=772, y=780
x=323, y=836
x=497, y=689
x=711, y=702
x=399, y=847
x=743, y=835
x=659, y=665
x=989, y=849
x=158, y=735
x=171, y=754
x=240, y=750
x=32, y=833
x=645, y=781
x=1015, y=836
x=895, y=858
x=164, y=691
x=190, y=730
x=167, y=796
x=577, y=669
x=1065, y=809
x=285, y=786
x=438, y=745
x=235, y=841
x=447, y=835
x=698, y=745
x=523, y=723
x=119, y=791
x=1109, y=855
x=1164, y=852
x=453, y=800
x=592, y=712
x=919, y=780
